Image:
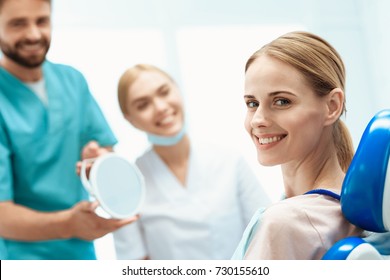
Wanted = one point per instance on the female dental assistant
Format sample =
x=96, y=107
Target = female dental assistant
x=199, y=198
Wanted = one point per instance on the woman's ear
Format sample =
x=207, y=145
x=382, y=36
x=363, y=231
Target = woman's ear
x=335, y=105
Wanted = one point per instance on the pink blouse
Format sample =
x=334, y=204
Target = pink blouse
x=300, y=228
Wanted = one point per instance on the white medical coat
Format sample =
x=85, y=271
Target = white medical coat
x=203, y=220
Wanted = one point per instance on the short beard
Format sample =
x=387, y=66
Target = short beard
x=28, y=62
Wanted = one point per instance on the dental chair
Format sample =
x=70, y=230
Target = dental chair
x=365, y=196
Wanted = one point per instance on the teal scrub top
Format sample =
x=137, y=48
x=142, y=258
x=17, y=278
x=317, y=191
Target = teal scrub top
x=39, y=148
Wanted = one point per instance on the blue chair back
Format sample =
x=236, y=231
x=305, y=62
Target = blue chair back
x=365, y=195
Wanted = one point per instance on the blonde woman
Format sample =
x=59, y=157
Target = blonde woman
x=294, y=92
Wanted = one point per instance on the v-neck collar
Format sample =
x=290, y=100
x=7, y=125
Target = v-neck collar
x=55, y=106
x=54, y=111
x=23, y=87
x=168, y=182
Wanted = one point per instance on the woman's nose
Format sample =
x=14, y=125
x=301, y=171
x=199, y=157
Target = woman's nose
x=260, y=118
x=160, y=105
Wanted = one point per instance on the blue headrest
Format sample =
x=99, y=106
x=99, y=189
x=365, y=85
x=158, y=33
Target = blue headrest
x=365, y=195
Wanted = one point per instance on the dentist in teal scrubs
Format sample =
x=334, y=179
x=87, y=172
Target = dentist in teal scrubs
x=49, y=121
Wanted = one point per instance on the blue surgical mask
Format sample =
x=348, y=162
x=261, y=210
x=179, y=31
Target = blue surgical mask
x=167, y=140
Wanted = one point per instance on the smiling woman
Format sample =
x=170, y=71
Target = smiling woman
x=294, y=91
x=283, y=106
x=150, y=101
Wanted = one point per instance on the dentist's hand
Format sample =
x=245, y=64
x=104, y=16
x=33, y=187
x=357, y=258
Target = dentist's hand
x=82, y=222
x=91, y=150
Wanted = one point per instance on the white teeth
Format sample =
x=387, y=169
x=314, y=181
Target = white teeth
x=269, y=140
x=166, y=120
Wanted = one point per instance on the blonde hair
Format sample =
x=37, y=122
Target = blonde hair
x=129, y=77
x=324, y=70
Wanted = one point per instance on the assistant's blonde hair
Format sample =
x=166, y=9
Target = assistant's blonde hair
x=129, y=77
x=324, y=70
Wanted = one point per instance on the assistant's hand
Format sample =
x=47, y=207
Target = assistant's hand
x=82, y=222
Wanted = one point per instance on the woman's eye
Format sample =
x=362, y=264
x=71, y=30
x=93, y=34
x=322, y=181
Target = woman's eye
x=164, y=92
x=252, y=104
x=282, y=102
x=142, y=106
